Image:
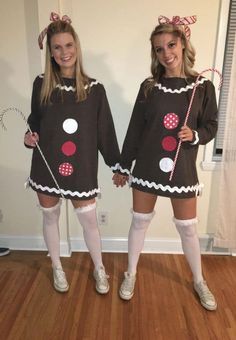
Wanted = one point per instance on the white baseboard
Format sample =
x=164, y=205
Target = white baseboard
x=109, y=245
x=120, y=245
x=35, y=243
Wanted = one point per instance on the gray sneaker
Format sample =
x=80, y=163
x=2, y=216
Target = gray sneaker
x=59, y=280
x=206, y=297
x=102, y=285
x=127, y=287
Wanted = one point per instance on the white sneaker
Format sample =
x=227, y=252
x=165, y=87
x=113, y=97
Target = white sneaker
x=206, y=297
x=127, y=287
x=4, y=251
x=59, y=280
x=102, y=285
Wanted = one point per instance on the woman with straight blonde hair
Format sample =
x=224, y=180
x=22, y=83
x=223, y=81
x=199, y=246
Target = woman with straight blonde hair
x=70, y=122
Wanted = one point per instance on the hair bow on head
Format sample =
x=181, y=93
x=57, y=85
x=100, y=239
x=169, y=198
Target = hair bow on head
x=53, y=17
x=176, y=20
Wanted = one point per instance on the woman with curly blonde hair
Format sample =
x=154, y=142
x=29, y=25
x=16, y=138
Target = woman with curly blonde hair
x=155, y=129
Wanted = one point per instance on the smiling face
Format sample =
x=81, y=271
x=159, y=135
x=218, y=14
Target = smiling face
x=169, y=52
x=63, y=50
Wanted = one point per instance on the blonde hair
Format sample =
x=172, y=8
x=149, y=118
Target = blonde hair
x=52, y=70
x=189, y=53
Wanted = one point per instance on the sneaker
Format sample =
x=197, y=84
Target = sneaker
x=4, y=251
x=206, y=297
x=102, y=285
x=127, y=287
x=59, y=280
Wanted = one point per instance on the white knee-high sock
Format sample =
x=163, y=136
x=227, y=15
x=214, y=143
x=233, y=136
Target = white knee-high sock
x=88, y=219
x=191, y=246
x=51, y=232
x=139, y=225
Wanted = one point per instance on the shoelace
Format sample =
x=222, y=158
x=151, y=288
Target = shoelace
x=205, y=292
x=128, y=283
x=60, y=275
x=102, y=276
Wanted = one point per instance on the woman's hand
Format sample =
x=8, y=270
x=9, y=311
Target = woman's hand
x=186, y=134
x=31, y=139
x=120, y=180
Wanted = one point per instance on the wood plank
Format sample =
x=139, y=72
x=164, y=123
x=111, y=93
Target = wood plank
x=164, y=306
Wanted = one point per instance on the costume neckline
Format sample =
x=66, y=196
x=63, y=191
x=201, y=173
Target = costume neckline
x=178, y=85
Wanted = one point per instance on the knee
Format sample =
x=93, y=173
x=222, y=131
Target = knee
x=186, y=228
x=141, y=220
x=87, y=215
x=51, y=215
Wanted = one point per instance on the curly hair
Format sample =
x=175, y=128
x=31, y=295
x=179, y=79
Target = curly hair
x=157, y=69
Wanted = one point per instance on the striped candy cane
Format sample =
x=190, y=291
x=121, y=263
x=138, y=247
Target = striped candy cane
x=188, y=113
x=37, y=145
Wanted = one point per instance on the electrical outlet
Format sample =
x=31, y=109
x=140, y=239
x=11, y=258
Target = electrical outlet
x=1, y=216
x=103, y=218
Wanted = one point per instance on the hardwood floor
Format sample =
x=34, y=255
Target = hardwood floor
x=164, y=306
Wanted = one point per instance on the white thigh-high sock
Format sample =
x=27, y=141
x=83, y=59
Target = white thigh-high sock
x=51, y=232
x=88, y=219
x=191, y=246
x=139, y=225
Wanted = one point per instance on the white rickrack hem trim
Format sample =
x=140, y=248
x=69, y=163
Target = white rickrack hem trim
x=65, y=192
x=124, y=171
x=193, y=188
x=115, y=167
x=183, y=89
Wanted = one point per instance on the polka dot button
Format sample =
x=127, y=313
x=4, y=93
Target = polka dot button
x=169, y=143
x=166, y=164
x=68, y=148
x=171, y=121
x=70, y=125
x=66, y=169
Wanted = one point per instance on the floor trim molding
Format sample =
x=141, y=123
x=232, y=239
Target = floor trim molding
x=110, y=245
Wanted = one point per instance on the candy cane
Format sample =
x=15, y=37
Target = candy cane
x=37, y=145
x=188, y=113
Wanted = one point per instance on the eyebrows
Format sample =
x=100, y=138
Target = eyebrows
x=61, y=44
x=159, y=45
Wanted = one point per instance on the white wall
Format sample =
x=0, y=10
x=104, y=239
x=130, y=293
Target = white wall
x=115, y=41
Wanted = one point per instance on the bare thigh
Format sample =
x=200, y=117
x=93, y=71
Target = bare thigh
x=47, y=201
x=143, y=202
x=184, y=208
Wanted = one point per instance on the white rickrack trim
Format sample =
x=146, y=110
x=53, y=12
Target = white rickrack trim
x=91, y=84
x=196, y=137
x=193, y=188
x=115, y=167
x=124, y=171
x=72, y=88
x=65, y=192
x=183, y=89
x=66, y=88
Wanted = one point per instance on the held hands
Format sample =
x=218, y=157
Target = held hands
x=186, y=134
x=120, y=180
x=30, y=139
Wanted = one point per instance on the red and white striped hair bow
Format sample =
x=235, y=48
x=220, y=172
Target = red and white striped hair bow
x=176, y=20
x=53, y=17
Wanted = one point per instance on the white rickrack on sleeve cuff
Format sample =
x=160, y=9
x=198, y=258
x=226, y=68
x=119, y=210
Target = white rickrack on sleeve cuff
x=196, y=138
